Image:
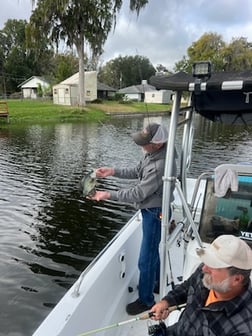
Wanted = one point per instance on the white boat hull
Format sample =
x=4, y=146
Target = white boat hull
x=103, y=293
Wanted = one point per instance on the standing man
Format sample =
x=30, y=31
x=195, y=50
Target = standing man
x=218, y=295
x=147, y=196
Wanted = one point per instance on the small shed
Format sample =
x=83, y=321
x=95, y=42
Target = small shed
x=67, y=92
x=137, y=92
x=32, y=87
x=158, y=96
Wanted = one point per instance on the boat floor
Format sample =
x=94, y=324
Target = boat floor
x=140, y=327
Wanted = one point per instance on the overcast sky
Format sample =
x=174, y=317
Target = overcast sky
x=164, y=29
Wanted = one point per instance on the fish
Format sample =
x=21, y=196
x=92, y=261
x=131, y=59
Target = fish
x=88, y=184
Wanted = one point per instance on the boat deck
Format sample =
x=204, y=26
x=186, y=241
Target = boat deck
x=140, y=328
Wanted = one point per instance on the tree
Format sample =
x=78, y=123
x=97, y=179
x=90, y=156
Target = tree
x=183, y=65
x=78, y=22
x=125, y=71
x=17, y=62
x=208, y=47
x=65, y=65
x=236, y=56
x=162, y=69
x=14, y=59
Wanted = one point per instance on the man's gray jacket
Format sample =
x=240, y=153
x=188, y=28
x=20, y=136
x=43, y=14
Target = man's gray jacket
x=148, y=191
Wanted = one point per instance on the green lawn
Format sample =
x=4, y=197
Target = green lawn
x=40, y=111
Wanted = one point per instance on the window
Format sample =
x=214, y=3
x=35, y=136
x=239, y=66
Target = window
x=231, y=214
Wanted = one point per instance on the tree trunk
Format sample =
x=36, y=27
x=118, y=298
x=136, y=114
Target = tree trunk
x=80, y=51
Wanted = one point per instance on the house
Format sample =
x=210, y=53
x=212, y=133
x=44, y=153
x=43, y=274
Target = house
x=105, y=91
x=158, y=96
x=137, y=92
x=34, y=87
x=67, y=92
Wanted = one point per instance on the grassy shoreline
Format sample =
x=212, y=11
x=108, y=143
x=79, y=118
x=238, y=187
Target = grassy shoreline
x=44, y=111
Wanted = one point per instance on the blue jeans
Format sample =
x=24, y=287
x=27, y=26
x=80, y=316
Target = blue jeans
x=149, y=262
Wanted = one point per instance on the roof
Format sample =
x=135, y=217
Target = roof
x=33, y=81
x=141, y=88
x=74, y=79
x=104, y=87
x=218, y=81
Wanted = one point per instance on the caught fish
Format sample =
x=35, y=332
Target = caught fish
x=88, y=184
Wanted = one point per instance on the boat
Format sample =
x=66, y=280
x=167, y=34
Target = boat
x=96, y=302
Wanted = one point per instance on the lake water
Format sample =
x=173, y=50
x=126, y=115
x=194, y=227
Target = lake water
x=49, y=233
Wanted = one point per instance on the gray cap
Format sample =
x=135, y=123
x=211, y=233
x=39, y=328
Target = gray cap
x=153, y=133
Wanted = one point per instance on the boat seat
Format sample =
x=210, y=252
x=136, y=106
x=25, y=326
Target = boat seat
x=231, y=214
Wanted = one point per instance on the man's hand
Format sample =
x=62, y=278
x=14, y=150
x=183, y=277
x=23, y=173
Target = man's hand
x=104, y=172
x=160, y=310
x=99, y=196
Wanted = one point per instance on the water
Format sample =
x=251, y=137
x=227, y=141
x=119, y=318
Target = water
x=49, y=233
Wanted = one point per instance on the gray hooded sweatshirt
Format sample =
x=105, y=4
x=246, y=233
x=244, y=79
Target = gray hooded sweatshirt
x=147, y=193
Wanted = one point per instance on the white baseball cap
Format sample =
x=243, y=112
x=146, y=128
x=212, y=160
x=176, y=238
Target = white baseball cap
x=226, y=251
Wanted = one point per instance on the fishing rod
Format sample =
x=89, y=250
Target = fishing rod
x=144, y=316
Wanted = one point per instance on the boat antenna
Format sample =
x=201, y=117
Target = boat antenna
x=144, y=316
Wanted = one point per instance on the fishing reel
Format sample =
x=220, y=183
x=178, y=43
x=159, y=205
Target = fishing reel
x=157, y=329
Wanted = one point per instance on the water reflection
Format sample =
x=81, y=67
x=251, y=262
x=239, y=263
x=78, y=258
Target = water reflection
x=216, y=143
x=49, y=233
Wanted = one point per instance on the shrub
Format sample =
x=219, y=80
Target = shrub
x=97, y=101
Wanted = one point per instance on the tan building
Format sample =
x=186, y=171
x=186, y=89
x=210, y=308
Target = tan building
x=67, y=92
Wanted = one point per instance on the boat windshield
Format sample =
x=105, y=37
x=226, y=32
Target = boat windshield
x=231, y=214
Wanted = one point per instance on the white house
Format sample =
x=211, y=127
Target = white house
x=158, y=96
x=67, y=92
x=31, y=87
x=137, y=92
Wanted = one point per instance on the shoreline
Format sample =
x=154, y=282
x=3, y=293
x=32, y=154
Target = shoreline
x=44, y=111
x=137, y=114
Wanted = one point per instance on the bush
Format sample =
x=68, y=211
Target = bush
x=97, y=101
x=119, y=97
x=16, y=95
x=126, y=102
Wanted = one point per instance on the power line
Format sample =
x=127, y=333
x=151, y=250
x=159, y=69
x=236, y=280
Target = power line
x=10, y=76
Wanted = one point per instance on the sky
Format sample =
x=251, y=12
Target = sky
x=164, y=29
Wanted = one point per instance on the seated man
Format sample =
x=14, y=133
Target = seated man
x=218, y=294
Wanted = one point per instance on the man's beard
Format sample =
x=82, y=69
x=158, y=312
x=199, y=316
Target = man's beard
x=221, y=287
